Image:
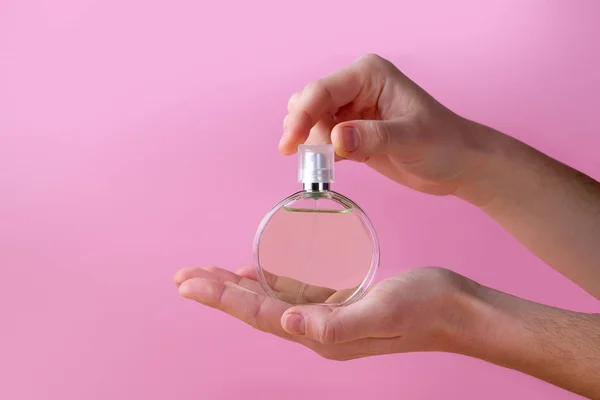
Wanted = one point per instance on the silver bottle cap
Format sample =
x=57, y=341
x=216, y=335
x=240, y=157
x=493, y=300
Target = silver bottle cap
x=316, y=163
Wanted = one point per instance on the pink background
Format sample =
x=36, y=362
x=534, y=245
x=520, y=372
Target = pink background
x=138, y=137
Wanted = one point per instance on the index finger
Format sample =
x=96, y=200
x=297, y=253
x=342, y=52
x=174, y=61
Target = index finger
x=317, y=99
x=260, y=312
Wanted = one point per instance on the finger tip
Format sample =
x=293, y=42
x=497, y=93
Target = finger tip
x=184, y=274
x=247, y=271
x=340, y=153
x=179, y=277
x=176, y=280
x=338, y=148
x=184, y=290
x=191, y=288
x=285, y=148
x=187, y=288
x=288, y=144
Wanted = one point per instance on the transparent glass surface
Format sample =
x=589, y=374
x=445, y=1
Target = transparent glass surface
x=316, y=248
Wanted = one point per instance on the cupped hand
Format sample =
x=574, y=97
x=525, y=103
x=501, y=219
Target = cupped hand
x=418, y=310
x=373, y=113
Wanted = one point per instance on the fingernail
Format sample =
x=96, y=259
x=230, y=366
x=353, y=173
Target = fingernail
x=294, y=323
x=349, y=138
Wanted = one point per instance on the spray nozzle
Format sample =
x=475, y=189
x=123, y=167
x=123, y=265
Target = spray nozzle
x=316, y=163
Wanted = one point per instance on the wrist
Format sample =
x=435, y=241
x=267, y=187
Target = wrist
x=478, y=321
x=488, y=328
x=467, y=320
x=551, y=344
x=489, y=166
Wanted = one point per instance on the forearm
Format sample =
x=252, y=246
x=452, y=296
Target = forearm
x=558, y=346
x=551, y=208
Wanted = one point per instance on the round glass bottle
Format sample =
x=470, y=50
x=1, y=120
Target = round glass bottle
x=316, y=246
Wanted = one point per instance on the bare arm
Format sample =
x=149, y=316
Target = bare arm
x=558, y=346
x=551, y=208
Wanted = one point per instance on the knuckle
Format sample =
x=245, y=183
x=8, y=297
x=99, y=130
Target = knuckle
x=254, y=319
x=382, y=135
x=285, y=121
x=372, y=58
x=219, y=294
x=313, y=87
x=320, y=89
x=331, y=332
x=292, y=101
x=374, y=61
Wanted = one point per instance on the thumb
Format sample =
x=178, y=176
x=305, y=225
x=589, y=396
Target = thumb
x=358, y=140
x=329, y=325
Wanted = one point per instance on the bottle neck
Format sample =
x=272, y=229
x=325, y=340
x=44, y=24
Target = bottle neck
x=316, y=187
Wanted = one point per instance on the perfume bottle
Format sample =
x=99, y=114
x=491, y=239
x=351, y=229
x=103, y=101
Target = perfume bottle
x=316, y=246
